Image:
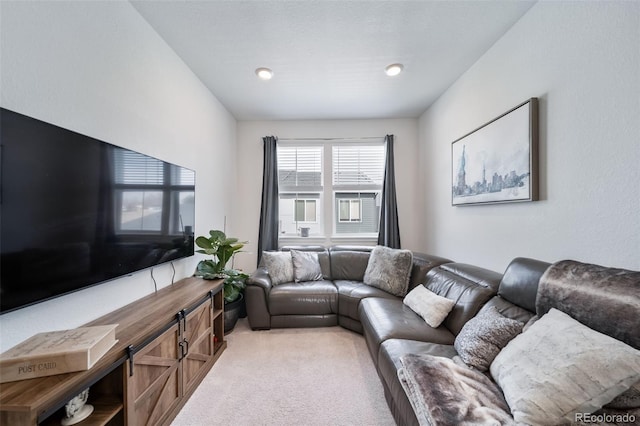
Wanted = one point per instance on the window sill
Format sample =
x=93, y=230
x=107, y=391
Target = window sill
x=328, y=240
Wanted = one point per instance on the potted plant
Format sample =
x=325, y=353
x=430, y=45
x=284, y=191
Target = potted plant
x=222, y=249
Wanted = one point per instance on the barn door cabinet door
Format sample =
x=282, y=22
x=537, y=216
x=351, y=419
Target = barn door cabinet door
x=197, y=345
x=165, y=371
x=154, y=385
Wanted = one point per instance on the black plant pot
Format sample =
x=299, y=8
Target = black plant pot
x=243, y=308
x=232, y=312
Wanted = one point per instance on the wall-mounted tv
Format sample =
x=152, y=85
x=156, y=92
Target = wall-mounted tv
x=76, y=211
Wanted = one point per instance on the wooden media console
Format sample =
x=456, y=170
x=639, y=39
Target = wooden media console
x=167, y=342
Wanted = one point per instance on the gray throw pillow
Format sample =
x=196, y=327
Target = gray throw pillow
x=560, y=367
x=279, y=266
x=306, y=266
x=389, y=270
x=483, y=336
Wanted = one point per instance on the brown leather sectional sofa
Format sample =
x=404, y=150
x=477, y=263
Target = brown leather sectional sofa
x=391, y=329
x=331, y=301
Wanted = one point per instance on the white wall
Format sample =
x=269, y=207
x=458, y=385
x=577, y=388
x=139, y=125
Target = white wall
x=99, y=69
x=581, y=59
x=249, y=178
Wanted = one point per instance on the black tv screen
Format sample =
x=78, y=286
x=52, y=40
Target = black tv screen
x=76, y=211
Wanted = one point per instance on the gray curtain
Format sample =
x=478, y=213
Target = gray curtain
x=389, y=232
x=268, y=233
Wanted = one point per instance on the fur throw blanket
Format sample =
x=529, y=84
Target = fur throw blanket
x=442, y=392
x=604, y=299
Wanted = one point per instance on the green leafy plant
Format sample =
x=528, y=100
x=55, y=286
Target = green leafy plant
x=222, y=249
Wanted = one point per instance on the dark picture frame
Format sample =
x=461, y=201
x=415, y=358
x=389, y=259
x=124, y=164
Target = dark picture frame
x=498, y=161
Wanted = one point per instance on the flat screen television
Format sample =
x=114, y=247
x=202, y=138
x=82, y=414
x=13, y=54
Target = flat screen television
x=76, y=211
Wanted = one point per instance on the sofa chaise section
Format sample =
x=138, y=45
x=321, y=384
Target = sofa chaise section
x=516, y=295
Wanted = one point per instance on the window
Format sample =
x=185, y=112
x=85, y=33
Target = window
x=151, y=196
x=305, y=211
x=300, y=188
x=330, y=185
x=349, y=211
x=358, y=172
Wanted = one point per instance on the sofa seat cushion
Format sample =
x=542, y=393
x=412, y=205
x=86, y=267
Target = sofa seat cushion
x=311, y=298
x=384, y=318
x=350, y=293
x=389, y=362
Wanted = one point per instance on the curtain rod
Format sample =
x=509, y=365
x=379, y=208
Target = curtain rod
x=331, y=139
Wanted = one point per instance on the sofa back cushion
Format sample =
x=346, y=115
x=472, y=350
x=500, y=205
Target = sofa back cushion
x=347, y=264
x=519, y=284
x=423, y=263
x=604, y=299
x=516, y=297
x=469, y=286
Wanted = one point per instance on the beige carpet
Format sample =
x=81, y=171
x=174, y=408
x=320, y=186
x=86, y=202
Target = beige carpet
x=311, y=376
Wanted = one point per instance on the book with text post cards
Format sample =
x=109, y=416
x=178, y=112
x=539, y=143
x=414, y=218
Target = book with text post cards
x=57, y=352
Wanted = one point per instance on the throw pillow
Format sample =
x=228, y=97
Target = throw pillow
x=430, y=306
x=306, y=266
x=560, y=367
x=279, y=266
x=389, y=270
x=483, y=336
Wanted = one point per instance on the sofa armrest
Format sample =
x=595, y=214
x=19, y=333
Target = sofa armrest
x=256, y=294
x=260, y=278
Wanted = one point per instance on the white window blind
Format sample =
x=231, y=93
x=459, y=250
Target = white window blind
x=300, y=168
x=358, y=165
x=182, y=176
x=133, y=168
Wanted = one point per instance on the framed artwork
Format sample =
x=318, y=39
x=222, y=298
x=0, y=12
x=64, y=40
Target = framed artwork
x=498, y=161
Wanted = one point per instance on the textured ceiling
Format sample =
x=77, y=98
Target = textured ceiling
x=328, y=57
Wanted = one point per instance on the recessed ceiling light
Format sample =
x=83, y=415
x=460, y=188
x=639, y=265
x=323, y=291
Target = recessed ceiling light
x=393, y=69
x=264, y=73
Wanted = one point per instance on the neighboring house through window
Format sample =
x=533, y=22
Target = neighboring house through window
x=333, y=188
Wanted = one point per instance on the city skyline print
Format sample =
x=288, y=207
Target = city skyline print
x=497, y=162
